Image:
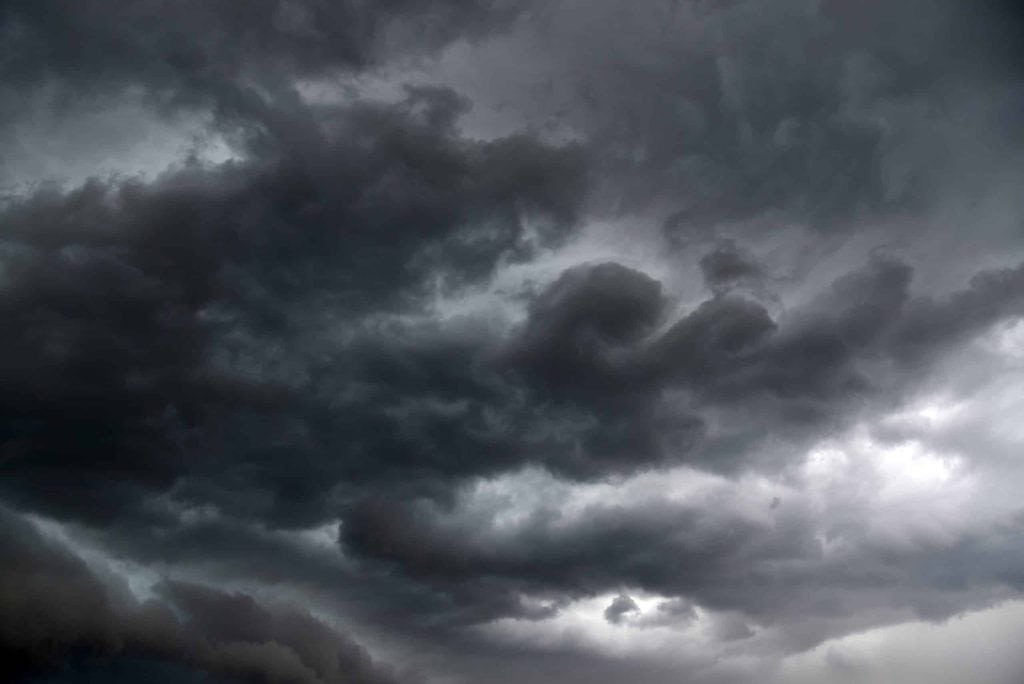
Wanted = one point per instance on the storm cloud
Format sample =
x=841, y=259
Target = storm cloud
x=465, y=341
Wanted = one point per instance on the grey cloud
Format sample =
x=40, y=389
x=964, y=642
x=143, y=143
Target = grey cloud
x=147, y=314
x=192, y=47
x=866, y=336
x=805, y=377
x=717, y=115
x=726, y=267
x=620, y=607
x=55, y=610
x=240, y=67
x=370, y=310
x=578, y=323
x=773, y=574
x=673, y=611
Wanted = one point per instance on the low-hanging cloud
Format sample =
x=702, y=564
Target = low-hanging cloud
x=529, y=341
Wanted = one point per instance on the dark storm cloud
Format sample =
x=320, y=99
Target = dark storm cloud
x=144, y=315
x=228, y=312
x=240, y=65
x=196, y=366
x=775, y=571
x=742, y=112
x=588, y=356
x=201, y=50
x=726, y=267
x=806, y=111
x=60, y=621
x=768, y=376
x=859, y=344
x=864, y=338
x=578, y=323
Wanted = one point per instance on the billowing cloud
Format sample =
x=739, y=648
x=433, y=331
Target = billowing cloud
x=508, y=341
x=58, y=616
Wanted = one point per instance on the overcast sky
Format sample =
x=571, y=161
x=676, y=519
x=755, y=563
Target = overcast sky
x=512, y=341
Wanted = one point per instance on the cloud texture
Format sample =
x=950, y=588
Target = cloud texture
x=487, y=341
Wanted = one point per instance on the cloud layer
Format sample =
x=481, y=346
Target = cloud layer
x=508, y=341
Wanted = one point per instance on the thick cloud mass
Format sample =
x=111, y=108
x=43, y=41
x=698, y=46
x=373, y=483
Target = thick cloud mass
x=59, y=616
x=463, y=341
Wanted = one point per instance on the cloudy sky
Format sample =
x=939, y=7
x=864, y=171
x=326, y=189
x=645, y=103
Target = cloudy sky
x=511, y=341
